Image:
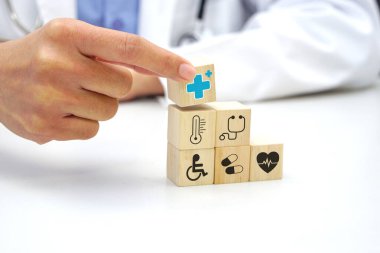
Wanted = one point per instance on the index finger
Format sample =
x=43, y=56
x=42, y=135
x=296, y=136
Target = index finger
x=129, y=49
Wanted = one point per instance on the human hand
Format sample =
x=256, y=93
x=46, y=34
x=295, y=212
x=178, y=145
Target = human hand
x=57, y=83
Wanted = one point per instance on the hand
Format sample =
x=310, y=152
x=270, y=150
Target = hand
x=57, y=83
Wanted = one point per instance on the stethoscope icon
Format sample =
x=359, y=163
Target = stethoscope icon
x=233, y=130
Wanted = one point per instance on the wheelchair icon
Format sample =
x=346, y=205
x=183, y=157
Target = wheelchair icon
x=192, y=173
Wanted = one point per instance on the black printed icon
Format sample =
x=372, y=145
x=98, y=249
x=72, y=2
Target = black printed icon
x=198, y=126
x=267, y=162
x=230, y=168
x=192, y=173
x=233, y=128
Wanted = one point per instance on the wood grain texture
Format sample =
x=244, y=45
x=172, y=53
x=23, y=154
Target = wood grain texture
x=266, y=162
x=233, y=124
x=191, y=127
x=178, y=94
x=179, y=166
x=232, y=164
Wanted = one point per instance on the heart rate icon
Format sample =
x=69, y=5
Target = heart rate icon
x=267, y=162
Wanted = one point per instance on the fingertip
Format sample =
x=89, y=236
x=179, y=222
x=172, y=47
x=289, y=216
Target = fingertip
x=187, y=71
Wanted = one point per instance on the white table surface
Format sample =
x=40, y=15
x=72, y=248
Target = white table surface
x=110, y=194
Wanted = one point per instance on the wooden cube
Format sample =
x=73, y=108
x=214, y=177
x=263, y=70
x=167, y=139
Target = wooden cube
x=190, y=167
x=191, y=127
x=232, y=164
x=266, y=162
x=233, y=124
x=199, y=91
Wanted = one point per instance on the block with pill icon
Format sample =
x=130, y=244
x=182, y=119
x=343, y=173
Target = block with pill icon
x=190, y=167
x=266, y=162
x=233, y=124
x=232, y=164
x=197, y=91
x=191, y=127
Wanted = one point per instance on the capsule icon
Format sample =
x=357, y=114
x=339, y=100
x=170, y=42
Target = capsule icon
x=234, y=169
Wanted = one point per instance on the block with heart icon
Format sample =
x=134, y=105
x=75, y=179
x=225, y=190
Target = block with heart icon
x=266, y=162
x=191, y=127
x=232, y=164
x=233, y=124
x=198, y=91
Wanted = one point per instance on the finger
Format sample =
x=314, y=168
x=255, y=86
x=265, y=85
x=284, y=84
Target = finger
x=90, y=105
x=104, y=79
x=75, y=128
x=124, y=48
x=135, y=68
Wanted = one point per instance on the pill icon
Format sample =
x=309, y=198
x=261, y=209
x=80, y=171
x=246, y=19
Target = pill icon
x=229, y=160
x=234, y=169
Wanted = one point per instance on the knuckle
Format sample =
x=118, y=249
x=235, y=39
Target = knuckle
x=41, y=141
x=131, y=46
x=59, y=28
x=166, y=64
x=44, y=64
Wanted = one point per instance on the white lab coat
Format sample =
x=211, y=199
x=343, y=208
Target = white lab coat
x=261, y=48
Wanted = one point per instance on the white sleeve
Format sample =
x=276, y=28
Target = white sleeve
x=296, y=47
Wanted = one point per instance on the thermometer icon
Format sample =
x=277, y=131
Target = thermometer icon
x=197, y=129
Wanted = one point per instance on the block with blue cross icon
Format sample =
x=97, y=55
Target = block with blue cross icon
x=198, y=91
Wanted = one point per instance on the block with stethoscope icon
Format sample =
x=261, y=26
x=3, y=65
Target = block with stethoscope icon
x=233, y=124
x=198, y=91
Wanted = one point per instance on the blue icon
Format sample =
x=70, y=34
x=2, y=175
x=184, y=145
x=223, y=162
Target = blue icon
x=198, y=86
x=208, y=73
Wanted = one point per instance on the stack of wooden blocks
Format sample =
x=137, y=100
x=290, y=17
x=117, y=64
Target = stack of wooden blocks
x=209, y=142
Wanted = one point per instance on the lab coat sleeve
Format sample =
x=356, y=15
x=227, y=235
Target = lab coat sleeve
x=293, y=48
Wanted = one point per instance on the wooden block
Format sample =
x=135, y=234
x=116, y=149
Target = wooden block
x=190, y=167
x=232, y=164
x=199, y=91
x=266, y=162
x=191, y=127
x=233, y=124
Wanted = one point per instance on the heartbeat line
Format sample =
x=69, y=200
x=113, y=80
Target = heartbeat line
x=267, y=162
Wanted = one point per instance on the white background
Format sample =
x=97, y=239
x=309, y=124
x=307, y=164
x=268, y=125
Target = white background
x=110, y=194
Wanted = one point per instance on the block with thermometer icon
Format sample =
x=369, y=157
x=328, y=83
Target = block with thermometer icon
x=191, y=127
x=199, y=91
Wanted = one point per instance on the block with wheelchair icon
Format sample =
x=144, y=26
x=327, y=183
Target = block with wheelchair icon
x=190, y=167
x=191, y=127
x=233, y=124
x=199, y=91
x=232, y=164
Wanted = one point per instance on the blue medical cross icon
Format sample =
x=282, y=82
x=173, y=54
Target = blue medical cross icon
x=198, y=86
x=208, y=73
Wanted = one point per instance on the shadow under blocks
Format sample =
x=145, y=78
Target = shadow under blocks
x=209, y=142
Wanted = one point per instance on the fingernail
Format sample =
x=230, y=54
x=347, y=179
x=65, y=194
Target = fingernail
x=186, y=71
